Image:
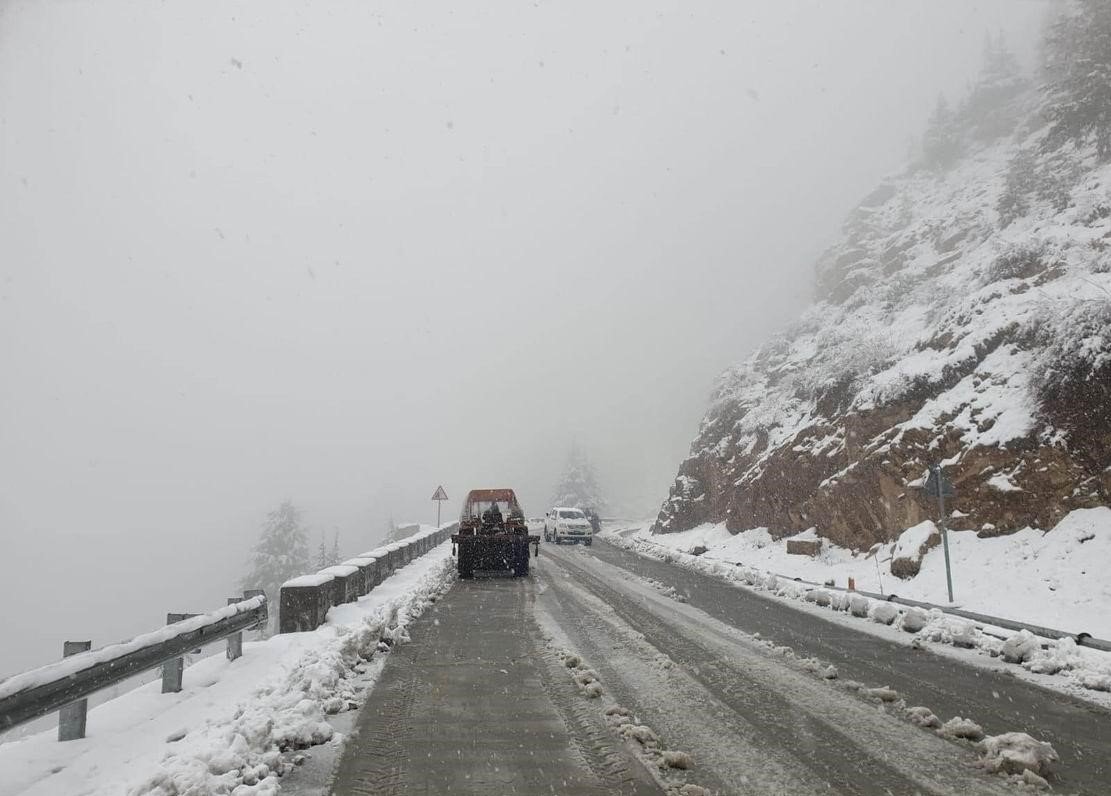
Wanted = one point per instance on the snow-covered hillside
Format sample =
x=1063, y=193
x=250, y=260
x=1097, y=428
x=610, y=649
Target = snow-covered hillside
x=963, y=319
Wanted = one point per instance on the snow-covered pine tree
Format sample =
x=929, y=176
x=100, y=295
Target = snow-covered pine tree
x=334, y=555
x=328, y=556
x=989, y=110
x=1078, y=77
x=578, y=486
x=281, y=553
x=940, y=145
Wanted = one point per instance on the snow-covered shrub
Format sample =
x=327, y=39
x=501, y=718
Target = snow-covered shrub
x=1075, y=343
x=1078, y=71
x=1020, y=261
x=843, y=357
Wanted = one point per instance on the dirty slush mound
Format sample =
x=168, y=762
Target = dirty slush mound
x=964, y=318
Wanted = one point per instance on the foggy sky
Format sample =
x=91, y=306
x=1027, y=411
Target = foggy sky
x=344, y=252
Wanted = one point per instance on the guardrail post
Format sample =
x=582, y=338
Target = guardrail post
x=235, y=640
x=173, y=670
x=71, y=717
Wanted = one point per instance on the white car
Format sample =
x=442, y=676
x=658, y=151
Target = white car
x=565, y=524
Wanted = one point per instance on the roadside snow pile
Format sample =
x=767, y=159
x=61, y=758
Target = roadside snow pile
x=1088, y=668
x=1050, y=578
x=957, y=727
x=923, y=717
x=624, y=723
x=235, y=727
x=1017, y=753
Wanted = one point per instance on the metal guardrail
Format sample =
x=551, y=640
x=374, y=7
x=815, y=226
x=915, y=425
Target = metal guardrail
x=64, y=685
x=1082, y=639
x=27, y=696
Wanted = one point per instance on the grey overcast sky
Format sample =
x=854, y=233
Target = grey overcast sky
x=342, y=252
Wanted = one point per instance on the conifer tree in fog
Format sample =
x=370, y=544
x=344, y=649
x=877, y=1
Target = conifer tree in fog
x=281, y=553
x=578, y=486
x=328, y=556
x=940, y=146
x=1078, y=75
x=334, y=556
x=989, y=111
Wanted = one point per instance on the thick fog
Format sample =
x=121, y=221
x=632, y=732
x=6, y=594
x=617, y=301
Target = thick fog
x=344, y=252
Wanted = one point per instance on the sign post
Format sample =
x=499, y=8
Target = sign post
x=937, y=485
x=439, y=496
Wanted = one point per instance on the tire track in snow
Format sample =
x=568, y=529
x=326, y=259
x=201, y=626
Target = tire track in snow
x=836, y=739
x=726, y=751
x=1079, y=730
x=464, y=709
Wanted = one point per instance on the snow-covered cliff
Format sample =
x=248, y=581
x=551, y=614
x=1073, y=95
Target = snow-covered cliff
x=964, y=318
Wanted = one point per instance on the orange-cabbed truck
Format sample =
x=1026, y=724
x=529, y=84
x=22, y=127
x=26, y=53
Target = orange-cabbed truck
x=493, y=536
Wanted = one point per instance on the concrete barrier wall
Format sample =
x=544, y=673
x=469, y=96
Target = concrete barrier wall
x=304, y=601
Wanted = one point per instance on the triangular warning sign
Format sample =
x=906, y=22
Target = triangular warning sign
x=440, y=494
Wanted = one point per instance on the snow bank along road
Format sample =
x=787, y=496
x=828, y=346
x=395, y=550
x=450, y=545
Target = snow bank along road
x=589, y=678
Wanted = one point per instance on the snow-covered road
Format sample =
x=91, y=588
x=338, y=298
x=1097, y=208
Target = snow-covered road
x=689, y=617
x=596, y=675
x=604, y=672
x=752, y=719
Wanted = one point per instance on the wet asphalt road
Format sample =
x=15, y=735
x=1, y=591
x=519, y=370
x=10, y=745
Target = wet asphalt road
x=478, y=702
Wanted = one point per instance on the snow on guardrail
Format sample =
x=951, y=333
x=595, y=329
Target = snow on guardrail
x=67, y=668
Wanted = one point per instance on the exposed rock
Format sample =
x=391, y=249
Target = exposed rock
x=804, y=547
x=907, y=559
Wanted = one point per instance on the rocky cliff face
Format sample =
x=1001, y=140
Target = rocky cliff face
x=964, y=318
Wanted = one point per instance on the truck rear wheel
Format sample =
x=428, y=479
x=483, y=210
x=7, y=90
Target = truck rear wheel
x=466, y=562
x=520, y=562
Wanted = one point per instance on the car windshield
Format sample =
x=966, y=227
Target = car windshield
x=571, y=515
